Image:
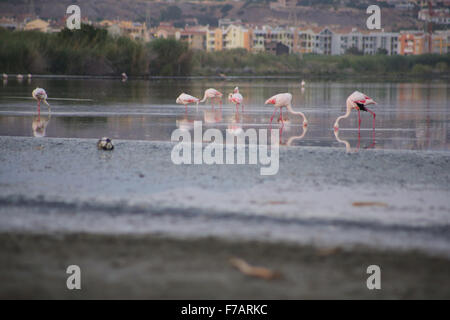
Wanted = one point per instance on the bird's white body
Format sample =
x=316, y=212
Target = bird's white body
x=284, y=100
x=19, y=77
x=212, y=94
x=5, y=76
x=280, y=100
x=358, y=101
x=186, y=99
x=236, y=98
x=39, y=94
x=303, y=83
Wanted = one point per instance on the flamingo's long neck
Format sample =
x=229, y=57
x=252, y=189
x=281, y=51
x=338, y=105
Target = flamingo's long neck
x=289, y=107
x=204, y=98
x=346, y=115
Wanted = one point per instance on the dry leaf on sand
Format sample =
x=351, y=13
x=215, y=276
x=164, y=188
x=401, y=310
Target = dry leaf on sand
x=369, y=204
x=259, y=272
x=327, y=251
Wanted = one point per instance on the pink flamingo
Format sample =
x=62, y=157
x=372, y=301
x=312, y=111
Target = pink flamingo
x=40, y=95
x=212, y=94
x=186, y=99
x=236, y=98
x=358, y=101
x=284, y=100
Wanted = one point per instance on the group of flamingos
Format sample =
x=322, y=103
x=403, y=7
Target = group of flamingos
x=356, y=101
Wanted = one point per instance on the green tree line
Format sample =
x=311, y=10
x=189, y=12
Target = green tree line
x=92, y=51
x=240, y=62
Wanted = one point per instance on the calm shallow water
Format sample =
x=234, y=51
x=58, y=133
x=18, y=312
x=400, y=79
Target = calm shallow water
x=412, y=116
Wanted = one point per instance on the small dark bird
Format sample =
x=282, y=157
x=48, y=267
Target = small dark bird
x=105, y=143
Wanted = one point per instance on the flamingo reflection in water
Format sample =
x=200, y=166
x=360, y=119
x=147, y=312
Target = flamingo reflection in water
x=235, y=126
x=212, y=116
x=39, y=125
x=348, y=147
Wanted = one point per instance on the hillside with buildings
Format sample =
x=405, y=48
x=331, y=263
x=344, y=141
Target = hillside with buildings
x=397, y=14
x=276, y=35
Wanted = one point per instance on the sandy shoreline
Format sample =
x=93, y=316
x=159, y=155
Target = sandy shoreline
x=161, y=268
x=67, y=185
x=141, y=227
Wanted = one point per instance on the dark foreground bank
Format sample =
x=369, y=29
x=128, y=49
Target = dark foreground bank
x=124, y=266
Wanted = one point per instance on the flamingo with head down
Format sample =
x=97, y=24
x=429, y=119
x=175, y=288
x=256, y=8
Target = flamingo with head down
x=236, y=98
x=358, y=101
x=212, y=94
x=40, y=95
x=284, y=100
x=185, y=99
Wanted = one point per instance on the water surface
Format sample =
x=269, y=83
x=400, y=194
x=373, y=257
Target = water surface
x=412, y=116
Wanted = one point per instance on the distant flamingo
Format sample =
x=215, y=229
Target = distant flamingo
x=186, y=99
x=5, y=76
x=124, y=76
x=212, y=94
x=303, y=83
x=358, y=101
x=284, y=100
x=40, y=95
x=236, y=98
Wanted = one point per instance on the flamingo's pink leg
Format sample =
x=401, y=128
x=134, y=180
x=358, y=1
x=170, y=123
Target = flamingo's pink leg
x=242, y=106
x=359, y=119
x=374, y=115
x=359, y=140
x=281, y=117
x=273, y=114
x=185, y=108
x=237, y=107
x=39, y=107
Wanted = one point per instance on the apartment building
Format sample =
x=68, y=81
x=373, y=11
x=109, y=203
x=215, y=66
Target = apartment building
x=367, y=42
x=413, y=42
x=133, y=30
x=441, y=42
x=304, y=41
x=37, y=25
x=230, y=37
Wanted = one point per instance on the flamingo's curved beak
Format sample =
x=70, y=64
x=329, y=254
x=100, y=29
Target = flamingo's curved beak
x=370, y=101
x=270, y=101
